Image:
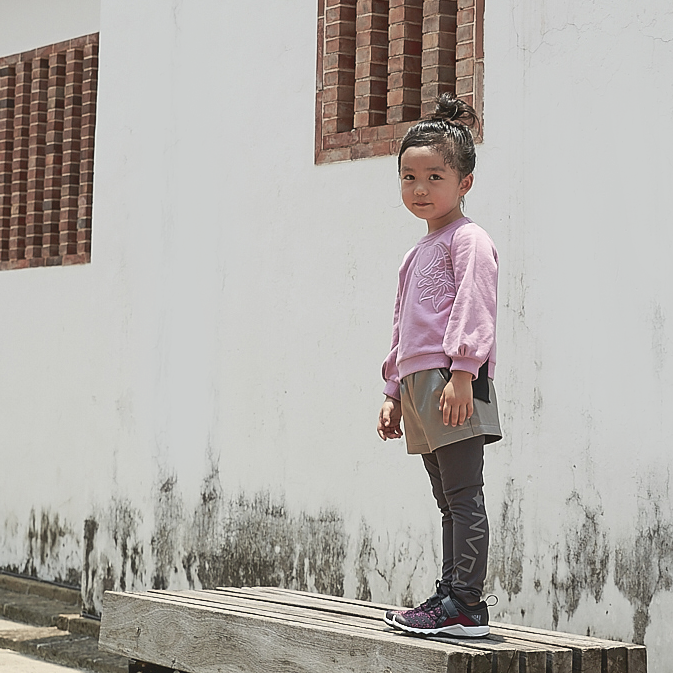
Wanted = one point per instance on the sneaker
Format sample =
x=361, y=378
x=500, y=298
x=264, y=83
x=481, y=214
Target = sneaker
x=390, y=614
x=445, y=615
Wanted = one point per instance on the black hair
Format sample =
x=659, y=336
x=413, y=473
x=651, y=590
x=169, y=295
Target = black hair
x=448, y=129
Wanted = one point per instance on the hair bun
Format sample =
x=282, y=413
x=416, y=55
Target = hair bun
x=452, y=109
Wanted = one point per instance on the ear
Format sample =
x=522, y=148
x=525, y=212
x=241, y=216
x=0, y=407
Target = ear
x=466, y=184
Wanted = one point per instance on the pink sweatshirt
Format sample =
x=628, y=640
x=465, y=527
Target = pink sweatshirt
x=446, y=305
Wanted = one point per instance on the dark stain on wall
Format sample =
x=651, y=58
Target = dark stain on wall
x=90, y=569
x=46, y=538
x=226, y=541
x=123, y=527
x=586, y=559
x=255, y=541
x=363, y=562
x=168, y=513
x=506, y=548
x=113, y=553
x=643, y=566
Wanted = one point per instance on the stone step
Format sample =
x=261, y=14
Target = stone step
x=44, y=621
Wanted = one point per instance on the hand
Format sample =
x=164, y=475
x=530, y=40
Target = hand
x=390, y=418
x=456, y=402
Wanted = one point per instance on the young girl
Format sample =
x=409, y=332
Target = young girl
x=440, y=368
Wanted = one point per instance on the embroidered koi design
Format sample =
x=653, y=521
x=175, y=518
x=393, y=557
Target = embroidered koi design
x=436, y=276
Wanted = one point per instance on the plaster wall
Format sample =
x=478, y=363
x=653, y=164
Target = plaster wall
x=197, y=405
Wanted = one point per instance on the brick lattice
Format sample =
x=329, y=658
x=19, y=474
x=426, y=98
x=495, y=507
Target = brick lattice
x=339, y=66
x=381, y=65
x=404, y=60
x=371, y=63
x=7, y=105
x=439, y=50
x=47, y=121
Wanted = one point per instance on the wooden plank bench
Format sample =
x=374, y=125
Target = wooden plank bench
x=270, y=630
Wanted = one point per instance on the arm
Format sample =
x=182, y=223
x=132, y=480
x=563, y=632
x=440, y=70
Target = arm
x=390, y=415
x=389, y=371
x=470, y=333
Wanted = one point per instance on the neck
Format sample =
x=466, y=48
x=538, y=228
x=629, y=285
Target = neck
x=436, y=225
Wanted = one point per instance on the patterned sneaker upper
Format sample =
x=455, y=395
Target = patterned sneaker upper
x=441, y=611
x=425, y=616
x=438, y=595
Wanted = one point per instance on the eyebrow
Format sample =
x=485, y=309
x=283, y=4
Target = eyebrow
x=430, y=168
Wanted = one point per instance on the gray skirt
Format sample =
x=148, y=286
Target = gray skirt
x=423, y=423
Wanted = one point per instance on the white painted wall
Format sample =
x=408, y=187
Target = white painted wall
x=27, y=24
x=225, y=341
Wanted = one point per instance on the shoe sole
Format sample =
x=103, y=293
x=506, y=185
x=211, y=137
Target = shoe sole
x=453, y=630
x=391, y=621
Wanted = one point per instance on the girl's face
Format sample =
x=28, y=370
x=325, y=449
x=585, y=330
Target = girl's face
x=432, y=190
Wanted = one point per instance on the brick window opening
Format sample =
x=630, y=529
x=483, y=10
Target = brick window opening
x=382, y=64
x=47, y=122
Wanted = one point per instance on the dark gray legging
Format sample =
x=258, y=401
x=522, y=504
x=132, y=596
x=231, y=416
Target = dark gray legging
x=457, y=476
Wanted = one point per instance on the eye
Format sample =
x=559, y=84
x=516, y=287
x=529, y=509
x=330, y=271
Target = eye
x=435, y=176
x=407, y=176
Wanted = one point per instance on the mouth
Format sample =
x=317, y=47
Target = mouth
x=422, y=204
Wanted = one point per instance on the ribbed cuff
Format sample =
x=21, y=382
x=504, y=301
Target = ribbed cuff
x=392, y=389
x=466, y=365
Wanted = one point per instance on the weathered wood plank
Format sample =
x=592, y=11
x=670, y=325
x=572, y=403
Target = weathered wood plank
x=311, y=601
x=262, y=608
x=636, y=657
x=481, y=653
x=504, y=650
x=557, y=659
x=588, y=640
x=204, y=640
x=607, y=656
x=277, y=604
x=282, y=631
x=560, y=661
x=305, y=594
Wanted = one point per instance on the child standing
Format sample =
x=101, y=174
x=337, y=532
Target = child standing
x=440, y=368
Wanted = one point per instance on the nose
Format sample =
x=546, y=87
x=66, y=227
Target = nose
x=420, y=188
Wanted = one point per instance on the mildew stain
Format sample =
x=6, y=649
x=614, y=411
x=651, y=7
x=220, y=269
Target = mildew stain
x=255, y=541
x=364, y=557
x=643, y=564
x=90, y=569
x=507, y=546
x=583, y=566
x=225, y=541
x=168, y=514
x=113, y=553
x=52, y=550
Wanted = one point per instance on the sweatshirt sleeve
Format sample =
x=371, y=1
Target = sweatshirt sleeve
x=470, y=333
x=390, y=372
